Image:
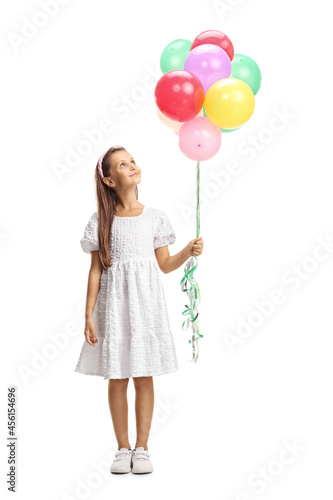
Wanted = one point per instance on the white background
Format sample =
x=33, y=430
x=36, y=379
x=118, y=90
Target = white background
x=226, y=420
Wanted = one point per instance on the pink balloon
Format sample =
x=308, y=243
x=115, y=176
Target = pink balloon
x=209, y=63
x=199, y=138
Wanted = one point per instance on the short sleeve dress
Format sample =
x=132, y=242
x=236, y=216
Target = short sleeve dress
x=130, y=315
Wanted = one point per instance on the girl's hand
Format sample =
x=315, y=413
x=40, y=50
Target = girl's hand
x=194, y=247
x=89, y=332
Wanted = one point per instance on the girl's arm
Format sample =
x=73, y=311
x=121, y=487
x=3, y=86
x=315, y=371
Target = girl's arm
x=94, y=279
x=168, y=263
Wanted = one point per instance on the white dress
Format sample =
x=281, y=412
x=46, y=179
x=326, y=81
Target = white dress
x=130, y=315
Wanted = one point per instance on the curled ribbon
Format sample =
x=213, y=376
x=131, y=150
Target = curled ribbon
x=193, y=291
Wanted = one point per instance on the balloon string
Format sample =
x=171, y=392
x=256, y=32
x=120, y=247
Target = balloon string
x=193, y=291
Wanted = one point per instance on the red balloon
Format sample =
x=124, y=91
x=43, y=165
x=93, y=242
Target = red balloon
x=216, y=38
x=179, y=95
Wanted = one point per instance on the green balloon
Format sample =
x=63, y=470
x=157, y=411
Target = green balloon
x=174, y=55
x=246, y=69
x=224, y=130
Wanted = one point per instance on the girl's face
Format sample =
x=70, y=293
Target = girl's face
x=124, y=171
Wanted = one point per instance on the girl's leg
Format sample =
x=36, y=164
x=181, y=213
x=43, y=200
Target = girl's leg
x=144, y=406
x=117, y=394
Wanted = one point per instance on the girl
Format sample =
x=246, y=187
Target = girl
x=127, y=331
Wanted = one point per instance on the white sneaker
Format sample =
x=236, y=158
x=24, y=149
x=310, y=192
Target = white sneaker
x=141, y=463
x=122, y=462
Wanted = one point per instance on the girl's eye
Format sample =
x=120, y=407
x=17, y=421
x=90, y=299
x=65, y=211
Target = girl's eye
x=124, y=163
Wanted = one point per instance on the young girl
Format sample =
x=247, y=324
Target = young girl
x=127, y=331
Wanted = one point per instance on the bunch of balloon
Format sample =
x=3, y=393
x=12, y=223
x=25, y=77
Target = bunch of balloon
x=206, y=90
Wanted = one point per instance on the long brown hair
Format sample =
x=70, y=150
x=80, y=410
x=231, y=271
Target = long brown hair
x=106, y=201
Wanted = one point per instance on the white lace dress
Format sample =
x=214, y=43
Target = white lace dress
x=130, y=315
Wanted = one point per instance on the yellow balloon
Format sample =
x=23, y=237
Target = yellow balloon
x=229, y=103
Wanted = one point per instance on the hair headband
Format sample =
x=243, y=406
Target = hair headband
x=100, y=165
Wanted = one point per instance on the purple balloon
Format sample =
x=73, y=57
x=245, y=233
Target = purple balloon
x=209, y=63
x=199, y=138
